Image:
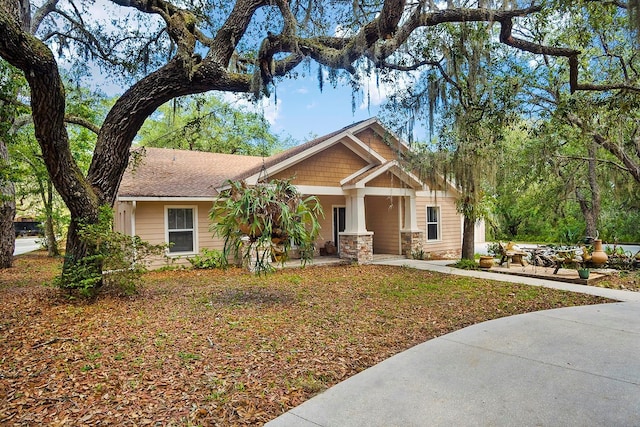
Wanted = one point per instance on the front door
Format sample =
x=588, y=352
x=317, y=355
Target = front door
x=339, y=223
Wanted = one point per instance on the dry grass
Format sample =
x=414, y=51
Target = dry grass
x=223, y=348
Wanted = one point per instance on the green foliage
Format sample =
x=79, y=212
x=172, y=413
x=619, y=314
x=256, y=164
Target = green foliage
x=467, y=264
x=210, y=258
x=254, y=219
x=619, y=223
x=206, y=123
x=494, y=249
x=419, y=253
x=116, y=259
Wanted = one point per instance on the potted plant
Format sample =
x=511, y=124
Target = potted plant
x=255, y=220
x=585, y=258
x=583, y=273
x=486, y=261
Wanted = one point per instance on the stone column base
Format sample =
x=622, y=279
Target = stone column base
x=411, y=244
x=357, y=247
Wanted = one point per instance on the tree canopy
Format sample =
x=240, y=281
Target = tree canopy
x=207, y=123
x=167, y=49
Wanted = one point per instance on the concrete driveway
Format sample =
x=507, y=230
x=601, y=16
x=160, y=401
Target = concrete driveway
x=26, y=244
x=577, y=366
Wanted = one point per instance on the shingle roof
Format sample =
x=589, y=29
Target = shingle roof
x=181, y=173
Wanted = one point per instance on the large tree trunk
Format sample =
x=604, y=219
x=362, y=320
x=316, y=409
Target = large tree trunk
x=84, y=195
x=30, y=55
x=7, y=213
x=468, y=238
x=49, y=231
x=590, y=205
x=19, y=10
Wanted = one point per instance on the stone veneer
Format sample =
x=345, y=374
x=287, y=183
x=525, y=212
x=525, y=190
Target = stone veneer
x=357, y=247
x=411, y=241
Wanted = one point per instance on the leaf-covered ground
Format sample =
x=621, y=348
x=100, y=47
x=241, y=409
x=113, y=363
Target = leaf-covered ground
x=222, y=348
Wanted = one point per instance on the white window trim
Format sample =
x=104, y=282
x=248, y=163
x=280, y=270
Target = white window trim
x=439, y=223
x=196, y=250
x=335, y=232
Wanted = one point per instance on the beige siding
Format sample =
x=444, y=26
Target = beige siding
x=375, y=142
x=383, y=219
x=150, y=226
x=206, y=238
x=122, y=217
x=150, y=222
x=386, y=180
x=450, y=223
x=326, y=223
x=326, y=168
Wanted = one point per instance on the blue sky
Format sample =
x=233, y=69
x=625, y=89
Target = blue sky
x=302, y=111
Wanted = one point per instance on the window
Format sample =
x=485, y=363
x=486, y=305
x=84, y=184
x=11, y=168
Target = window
x=181, y=231
x=433, y=223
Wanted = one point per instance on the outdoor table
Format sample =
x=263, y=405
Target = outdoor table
x=565, y=256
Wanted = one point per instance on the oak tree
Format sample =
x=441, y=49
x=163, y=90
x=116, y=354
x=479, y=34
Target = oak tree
x=170, y=49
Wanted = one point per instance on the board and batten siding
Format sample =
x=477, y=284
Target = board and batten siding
x=122, y=217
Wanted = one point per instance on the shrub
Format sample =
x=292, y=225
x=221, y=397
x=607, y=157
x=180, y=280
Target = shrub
x=419, y=253
x=116, y=258
x=466, y=264
x=493, y=248
x=210, y=258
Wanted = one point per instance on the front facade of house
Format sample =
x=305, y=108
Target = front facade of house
x=371, y=204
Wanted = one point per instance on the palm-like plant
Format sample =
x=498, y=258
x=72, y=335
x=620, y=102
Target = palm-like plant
x=255, y=219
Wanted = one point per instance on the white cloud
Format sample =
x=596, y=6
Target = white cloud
x=302, y=91
x=271, y=110
x=265, y=106
x=376, y=93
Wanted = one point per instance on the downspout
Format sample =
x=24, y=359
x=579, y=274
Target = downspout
x=134, y=204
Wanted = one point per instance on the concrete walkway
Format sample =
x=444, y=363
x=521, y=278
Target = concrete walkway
x=577, y=366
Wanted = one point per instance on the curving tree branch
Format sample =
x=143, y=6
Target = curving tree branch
x=629, y=163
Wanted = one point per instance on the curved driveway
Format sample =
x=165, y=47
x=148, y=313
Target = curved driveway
x=577, y=366
x=26, y=244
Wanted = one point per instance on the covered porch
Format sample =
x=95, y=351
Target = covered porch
x=379, y=214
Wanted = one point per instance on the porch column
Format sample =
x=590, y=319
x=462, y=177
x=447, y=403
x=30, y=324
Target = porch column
x=348, y=214
x=356, y=243
x=410, y=218
x=361, y=224
x=355, y=218
x=411, y=237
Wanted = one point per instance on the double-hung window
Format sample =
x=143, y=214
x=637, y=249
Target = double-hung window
x=181, y=229
x=433, y=223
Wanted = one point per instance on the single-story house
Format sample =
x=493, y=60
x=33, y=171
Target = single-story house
x=372, y=204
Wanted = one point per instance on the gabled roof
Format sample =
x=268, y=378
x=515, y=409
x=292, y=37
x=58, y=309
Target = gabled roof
x=182, y=173
x=193, y=174
x=346, y=135
x=392, y=166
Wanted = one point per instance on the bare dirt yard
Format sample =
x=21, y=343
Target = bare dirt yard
x=222, y=347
